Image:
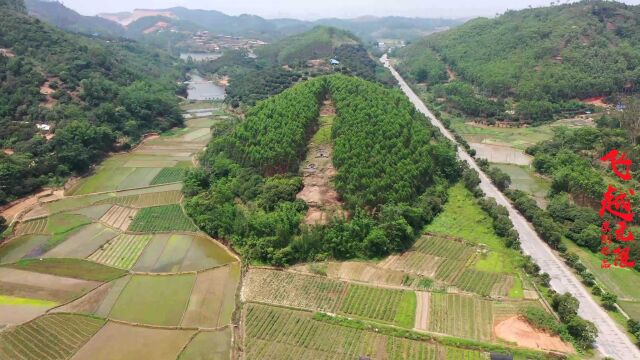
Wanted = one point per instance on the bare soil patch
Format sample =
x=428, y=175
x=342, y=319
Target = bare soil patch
x=422, y=310
x=596, y=100
x=318, y=172
x=89, y=303
x=19, y=314
x=521, y=332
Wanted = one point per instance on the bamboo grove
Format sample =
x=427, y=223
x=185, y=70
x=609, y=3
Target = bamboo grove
x=393, y=170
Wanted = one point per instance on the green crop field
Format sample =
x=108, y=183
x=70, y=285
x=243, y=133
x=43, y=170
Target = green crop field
x=146, y=199
x=477, y=281
x=154, y=300
x=449, y=271
x=162, y=218
x=380, y=304
x=209, y=345
x=74, y=268
x=295, y=290
x=49, y=337
x=121, y=252
x=444, y=247
x=277, y=333
x=462, y=316
x=22, y=247
x=168, y=175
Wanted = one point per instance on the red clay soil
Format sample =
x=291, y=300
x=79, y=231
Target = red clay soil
x=597, y=100
x=517, y=330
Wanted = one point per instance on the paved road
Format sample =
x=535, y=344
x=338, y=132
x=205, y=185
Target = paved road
x=612, y=341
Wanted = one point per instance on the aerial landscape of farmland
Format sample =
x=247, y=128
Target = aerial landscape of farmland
x=185, y=184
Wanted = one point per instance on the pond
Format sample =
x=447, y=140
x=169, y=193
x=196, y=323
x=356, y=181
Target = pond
x=202, y=89
x=501, y=154
x=524, y=178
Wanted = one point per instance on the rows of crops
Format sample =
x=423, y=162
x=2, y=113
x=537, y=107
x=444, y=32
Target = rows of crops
x=168, y=175
x=459, y=315
x=416, y=262
x=48, y=337
x=373, y=303
x=296, y=290
x=502, y=287
x=145, y=200
x=449, y=271
x=444, y=247
x=479, y=282
x=505, y=309
x=119, y=217
x=162, y=218
x=37, y=226
x=121, y=252
x=277, y=333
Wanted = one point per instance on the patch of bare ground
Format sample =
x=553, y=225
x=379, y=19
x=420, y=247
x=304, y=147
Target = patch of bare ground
x=15, y=209
x=48, y=91
x=422, y=310
x=451, y=74
x=89, y=303
x=7, y=53
x=8, y=152
x=318, y=172
x=515, y=329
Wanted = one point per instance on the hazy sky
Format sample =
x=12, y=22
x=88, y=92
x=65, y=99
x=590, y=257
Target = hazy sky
x=305, y=9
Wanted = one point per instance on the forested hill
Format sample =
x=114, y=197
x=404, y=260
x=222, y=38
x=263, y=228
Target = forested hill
x=551, y=54
x=57, y=14
x=91, y=93
x=393, y=170
x=281, y=64
x=319, y=43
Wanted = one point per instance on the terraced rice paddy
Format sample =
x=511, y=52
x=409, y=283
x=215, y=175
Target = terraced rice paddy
x=22, y=247
x=162, y=219
x=82, y=242
x=462, y=316
x=301, y=291
x=209, y=345
x=121, y=252
x=276, y=333
x=154, y=300
x=49, y=337
x=119, y=217
x=125, y=342
x=167, y=253
x=26, y=284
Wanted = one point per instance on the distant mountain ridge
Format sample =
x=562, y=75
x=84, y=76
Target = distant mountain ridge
x=59, y=15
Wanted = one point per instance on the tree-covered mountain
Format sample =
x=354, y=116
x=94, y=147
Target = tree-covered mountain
x=282, y=63
x=540, y=57
x=57, y=14
x=367, y=28
x=65, y=100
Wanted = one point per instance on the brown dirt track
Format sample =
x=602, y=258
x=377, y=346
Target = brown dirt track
x=516, y=330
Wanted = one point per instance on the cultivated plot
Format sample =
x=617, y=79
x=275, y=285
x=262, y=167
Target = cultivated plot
x=277, y=333
x=50, y=337
x=83, y=242
x=212, y=300
x=121, y=252
x=162, y=219
x=119, y=217
x=295, y=290
x=209, y=345
x=167, y=253
x=22, y=247
x=17, y=310
x=463, y=316
x=154, y=300
x=125, y=342
x=26, y=284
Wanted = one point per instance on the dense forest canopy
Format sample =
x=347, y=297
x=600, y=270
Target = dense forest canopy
x=393, y=172
x=541, y=57
x=90, y=92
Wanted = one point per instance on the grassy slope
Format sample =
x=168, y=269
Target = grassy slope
x=463, y=218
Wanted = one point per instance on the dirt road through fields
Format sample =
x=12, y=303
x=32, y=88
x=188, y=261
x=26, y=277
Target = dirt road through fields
x=612, y=341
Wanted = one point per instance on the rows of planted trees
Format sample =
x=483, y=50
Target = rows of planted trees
x=393, y=172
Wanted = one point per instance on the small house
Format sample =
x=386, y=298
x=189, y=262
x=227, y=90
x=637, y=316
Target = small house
x=43, y=127
x=334, y=62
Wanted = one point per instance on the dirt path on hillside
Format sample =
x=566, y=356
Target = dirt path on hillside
x=422, y=310
x=318, y=173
